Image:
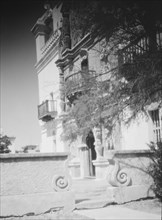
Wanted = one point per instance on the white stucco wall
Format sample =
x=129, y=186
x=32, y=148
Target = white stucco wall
x=40, y=42
x=137, y=135
x=94, y=58
x=48, y=79
x=60, y=145
x=47, y=142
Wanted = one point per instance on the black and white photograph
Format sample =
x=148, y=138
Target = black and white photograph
x=81, y=110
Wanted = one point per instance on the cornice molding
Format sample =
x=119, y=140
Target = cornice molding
x=47, y=58
x=70, y=54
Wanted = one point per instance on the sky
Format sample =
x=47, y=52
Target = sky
x=18, y=78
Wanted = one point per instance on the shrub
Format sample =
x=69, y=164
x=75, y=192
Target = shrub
x=155, y=168
x=4, y=143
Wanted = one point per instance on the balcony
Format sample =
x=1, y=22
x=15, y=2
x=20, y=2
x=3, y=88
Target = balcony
x=78, y=80
x=136, y=55
x=47, y=110
x=51, y=43
x=139, y=47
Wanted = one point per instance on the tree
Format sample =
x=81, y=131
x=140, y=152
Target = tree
x=4, y=143
x=88, y=109
x=131, y=85
x=112, y=15
x=122, y=22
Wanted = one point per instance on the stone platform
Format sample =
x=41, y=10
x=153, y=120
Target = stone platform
x=34, y=183
x=19, y=205
x=117, y=212
x=91, y=193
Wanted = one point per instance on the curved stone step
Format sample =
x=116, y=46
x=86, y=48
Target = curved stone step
x=92, y=185
x=93, y=203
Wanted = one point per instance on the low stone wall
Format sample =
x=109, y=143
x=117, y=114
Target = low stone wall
x=131, y=164
x=128, y=176
x=34, y=183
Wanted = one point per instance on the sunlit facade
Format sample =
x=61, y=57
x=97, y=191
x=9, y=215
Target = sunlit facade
x=62, y=55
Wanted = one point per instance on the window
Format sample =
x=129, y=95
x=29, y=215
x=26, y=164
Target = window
x=156, y=116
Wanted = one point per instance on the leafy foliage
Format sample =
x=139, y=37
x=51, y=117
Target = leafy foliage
x=86, y=107
x=91, y=106
x=121, y=96
x=110, y=16
x=155, y=169
x=143, y=83
x=128, y=87
x=4, y=143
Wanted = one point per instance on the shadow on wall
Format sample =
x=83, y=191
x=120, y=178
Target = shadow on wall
x=134, y=164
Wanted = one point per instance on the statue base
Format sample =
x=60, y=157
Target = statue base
x=74, y=167
x=101, y=166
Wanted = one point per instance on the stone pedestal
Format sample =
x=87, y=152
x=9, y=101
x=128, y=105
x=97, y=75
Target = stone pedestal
x=74, y=167
x=84, y=161
x=101, y=167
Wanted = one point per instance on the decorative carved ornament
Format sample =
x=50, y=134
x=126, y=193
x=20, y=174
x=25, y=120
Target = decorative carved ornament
x=45, y=16
x=118, y=177
x=61, y=182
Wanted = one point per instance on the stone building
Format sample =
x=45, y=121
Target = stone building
x=58, y=63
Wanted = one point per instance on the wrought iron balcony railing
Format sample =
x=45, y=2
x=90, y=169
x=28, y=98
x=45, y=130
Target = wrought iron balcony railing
x=47, y=110
x=137, y=48
x=79, y=75
x=77, y=80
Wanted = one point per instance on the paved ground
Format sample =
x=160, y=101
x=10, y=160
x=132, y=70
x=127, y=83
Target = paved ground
x=117, y=213
x=51, y=216
x=149, y=209
x=143, y=209
x=153, y=206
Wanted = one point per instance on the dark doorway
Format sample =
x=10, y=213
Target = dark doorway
x=84, y=65
x=90, y=143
